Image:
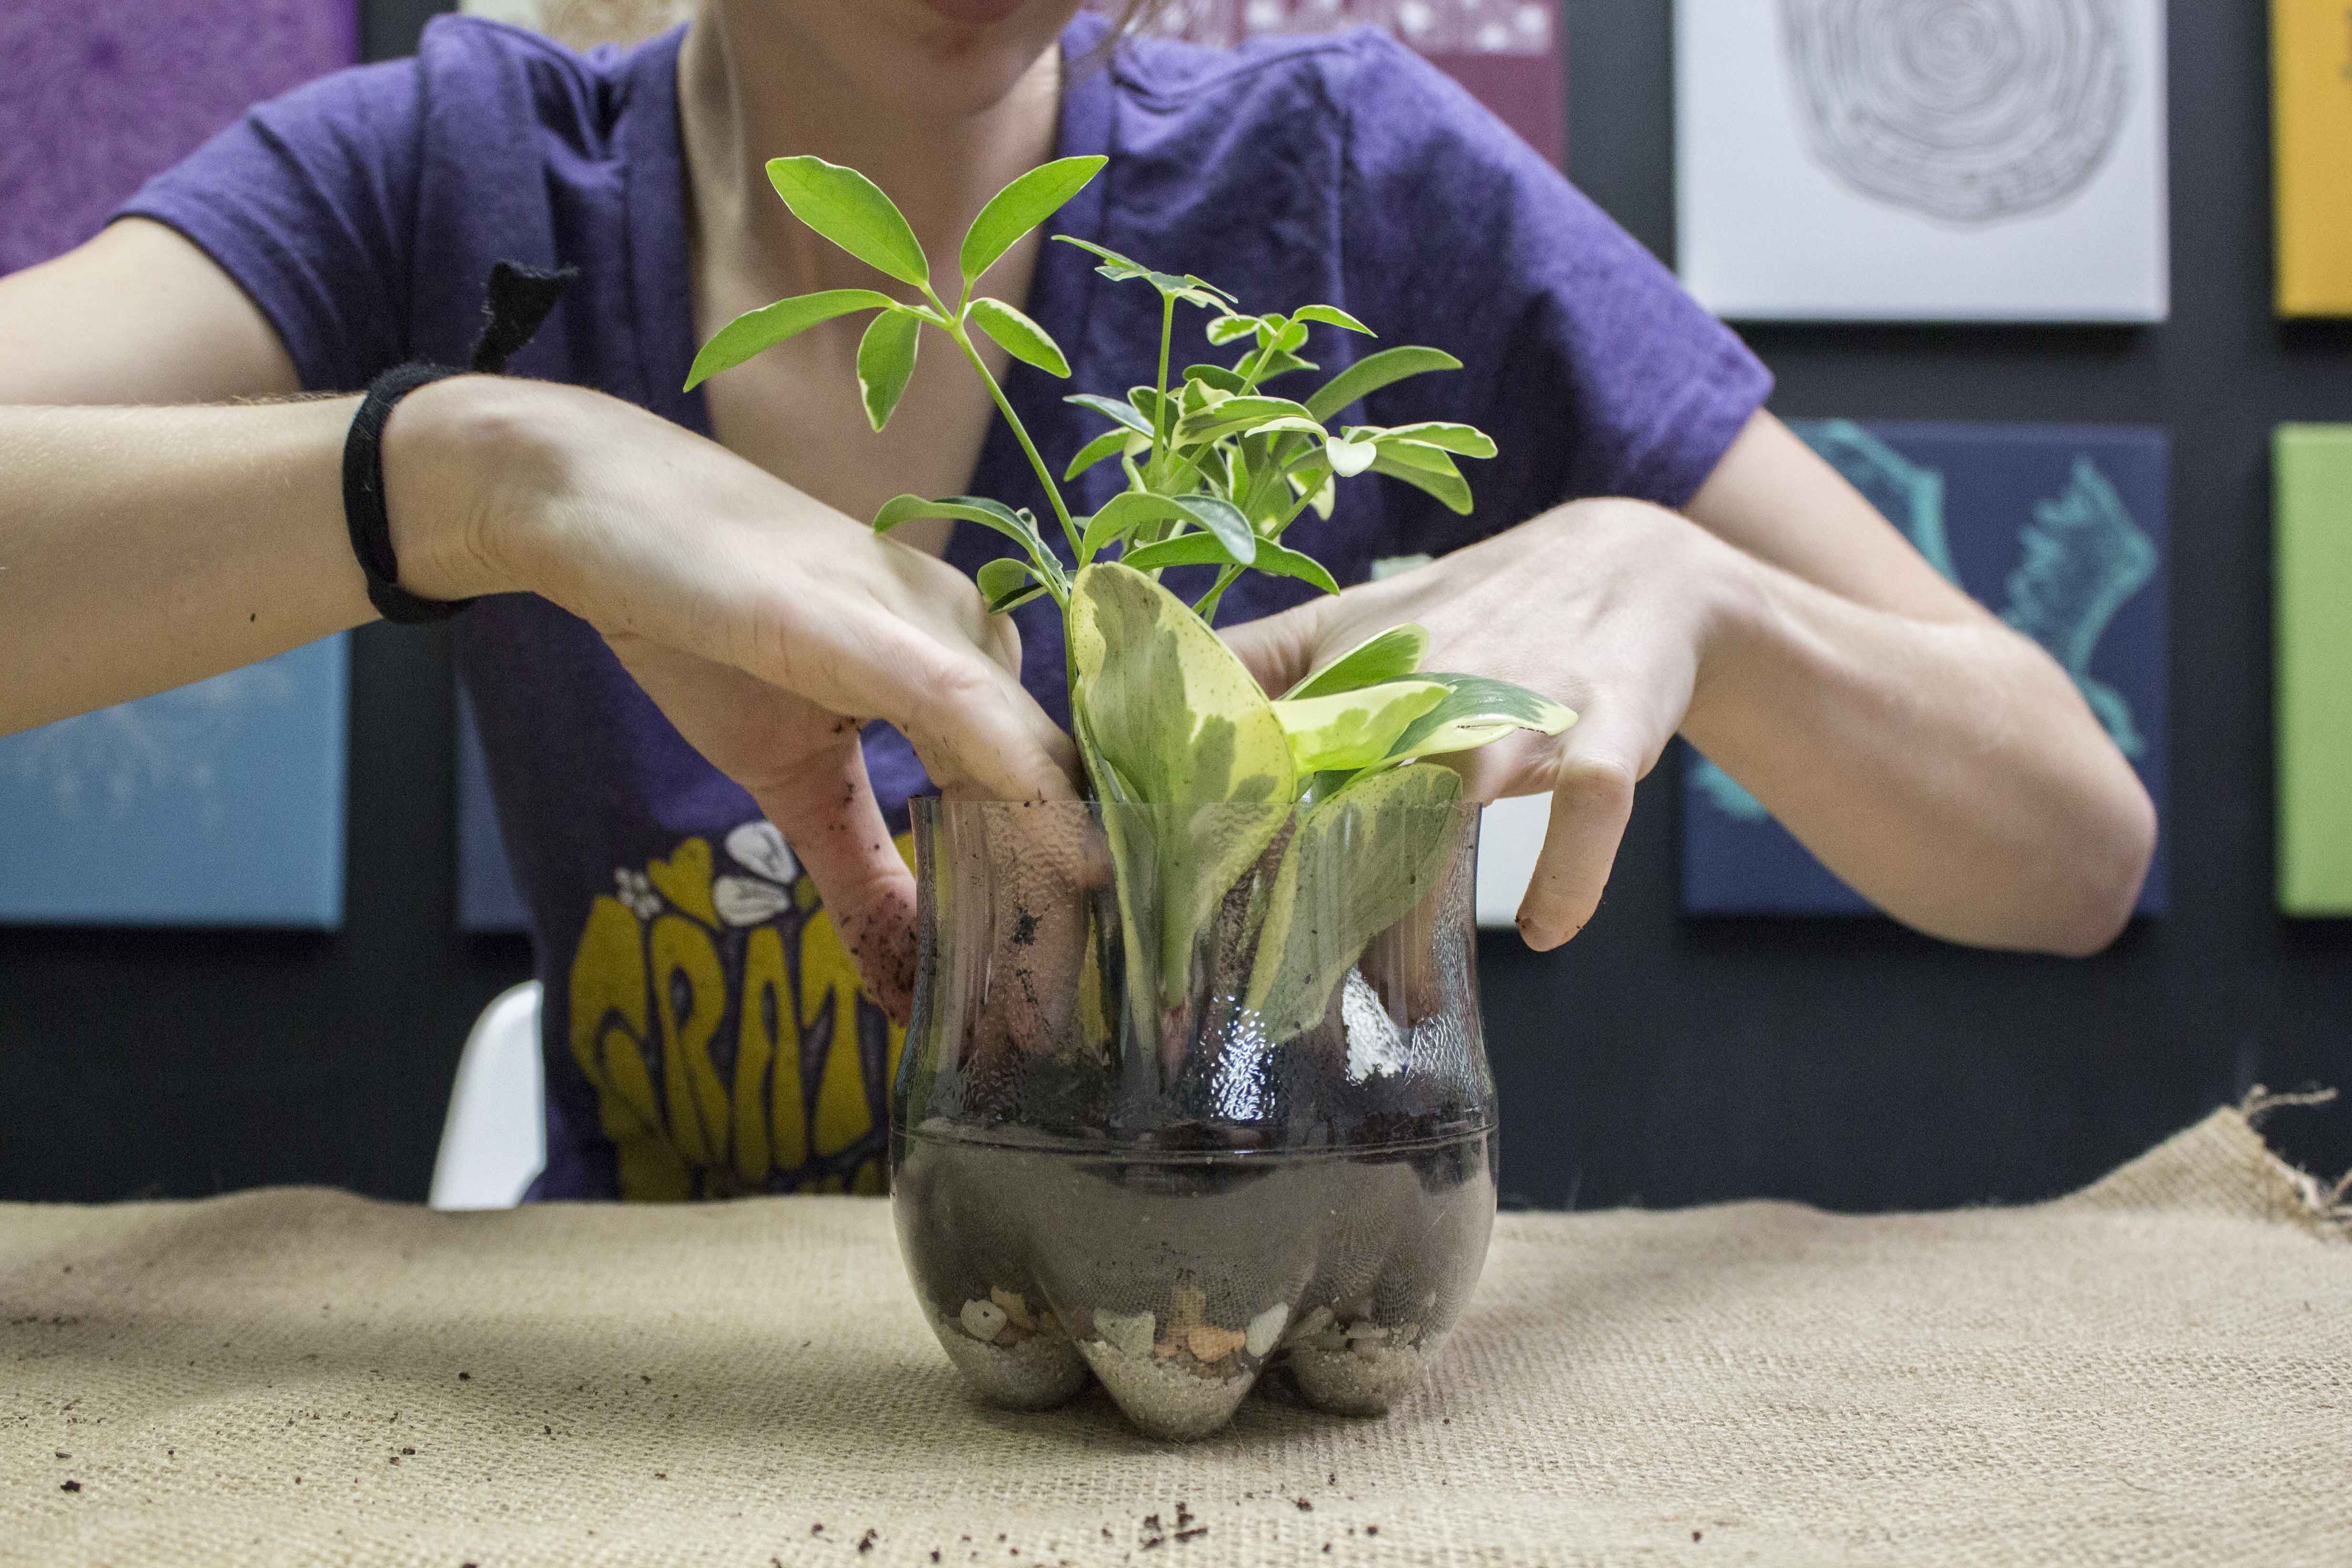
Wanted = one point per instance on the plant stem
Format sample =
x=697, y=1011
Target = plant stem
x=1160, y=408
x=1207, y=608
x=1020, y=432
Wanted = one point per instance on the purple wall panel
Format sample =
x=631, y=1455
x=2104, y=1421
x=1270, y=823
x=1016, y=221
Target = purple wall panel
x=97, y=95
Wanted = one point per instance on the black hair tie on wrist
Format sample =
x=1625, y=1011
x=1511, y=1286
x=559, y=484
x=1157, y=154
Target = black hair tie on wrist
x=517, y=301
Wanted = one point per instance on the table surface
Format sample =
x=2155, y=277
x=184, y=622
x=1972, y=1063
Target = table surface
x=2154, y=1370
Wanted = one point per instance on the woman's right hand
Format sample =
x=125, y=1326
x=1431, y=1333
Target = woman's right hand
x=764, y=623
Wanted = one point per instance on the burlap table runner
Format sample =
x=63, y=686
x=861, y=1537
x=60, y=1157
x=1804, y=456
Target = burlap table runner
x=2156, y=1370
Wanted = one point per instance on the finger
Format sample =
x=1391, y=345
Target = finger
x=1600, y=761
x=977, y=731
x=1280, y=649
x=824, y=805
x=981, y=735
x=1045, y=860
x=1004, y=644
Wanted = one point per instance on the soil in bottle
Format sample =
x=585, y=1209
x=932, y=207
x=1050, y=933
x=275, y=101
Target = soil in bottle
x=1177, y=1277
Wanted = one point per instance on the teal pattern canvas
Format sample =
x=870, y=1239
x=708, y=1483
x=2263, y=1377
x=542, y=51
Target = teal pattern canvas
x=2061, y=531
x=219, y=803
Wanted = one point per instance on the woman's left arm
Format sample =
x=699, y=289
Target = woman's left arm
x=1940, y=762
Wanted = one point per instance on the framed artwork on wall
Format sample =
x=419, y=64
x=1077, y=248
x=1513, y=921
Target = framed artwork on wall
x=220, y=804
x=2061, y=531
x=2312, y=643
x=2311, y=144
x=1508, y=53
x=1926, y=160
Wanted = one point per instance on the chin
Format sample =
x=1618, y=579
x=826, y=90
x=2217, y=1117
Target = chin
x=932, y=58
x=977, y=13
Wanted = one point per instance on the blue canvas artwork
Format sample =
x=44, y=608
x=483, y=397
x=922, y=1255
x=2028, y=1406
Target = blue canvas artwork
x=2061, y=530
x=219, y=803
x=488, y=898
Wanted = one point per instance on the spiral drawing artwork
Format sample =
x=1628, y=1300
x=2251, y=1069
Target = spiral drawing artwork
x=1964, y=110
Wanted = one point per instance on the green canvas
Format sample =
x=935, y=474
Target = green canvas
x=2313, y=566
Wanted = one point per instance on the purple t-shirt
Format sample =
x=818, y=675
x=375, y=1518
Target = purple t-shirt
x=703, y=1032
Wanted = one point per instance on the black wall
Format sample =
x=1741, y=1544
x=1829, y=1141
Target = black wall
x=1657, y=1059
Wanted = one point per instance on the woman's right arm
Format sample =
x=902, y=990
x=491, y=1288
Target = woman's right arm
x=142, y=547
x=153, y=533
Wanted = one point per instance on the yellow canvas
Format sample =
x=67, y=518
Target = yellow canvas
x=2310, y=82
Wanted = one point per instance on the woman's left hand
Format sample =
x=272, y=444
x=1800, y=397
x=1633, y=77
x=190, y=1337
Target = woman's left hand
x=1609, y=606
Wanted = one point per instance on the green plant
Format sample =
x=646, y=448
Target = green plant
x=1217, y=469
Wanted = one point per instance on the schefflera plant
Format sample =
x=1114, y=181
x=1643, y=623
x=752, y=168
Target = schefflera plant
x=1217, y=469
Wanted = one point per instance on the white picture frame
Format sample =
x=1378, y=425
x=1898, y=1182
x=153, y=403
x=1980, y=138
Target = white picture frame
x=1922, y=160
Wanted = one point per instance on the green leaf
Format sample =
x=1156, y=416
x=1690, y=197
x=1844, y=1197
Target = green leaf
x=1373, y=372
x=1352, y=729
x=1184, y=550
x=1283, y=365
x=1235, y=414
x=1112, y=256
x=1215, y=375
x=1022, y=338
x=1476, y=709
x=1121, y=268
x=1357, y=864
x=1280, y=334
x=1109, y=443
x=1418, y=455
x=850, y=210
x=764, y=328
x=1123, y=514
x=1333, y=316
x=1349, y=459
x=1288, y=424
x=1184, y=724
x=1014, y=525
x=1449, y=487
x=1279, y=562
x=1391, y=655
x=1226, y=537
x=1006, y=582
x=1230, y=329
x=1019, y=208
x=1466, y=439
x=1324, y=497
x=1224, y=521
x=1125, y=413
x=886, y=359
x=1145, y=399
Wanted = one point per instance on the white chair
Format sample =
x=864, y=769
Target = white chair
x=494, y=1141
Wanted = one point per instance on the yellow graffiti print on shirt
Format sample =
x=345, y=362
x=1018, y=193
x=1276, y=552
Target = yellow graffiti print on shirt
x=719, y=1019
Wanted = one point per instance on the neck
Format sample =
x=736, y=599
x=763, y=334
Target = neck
x=919, y=116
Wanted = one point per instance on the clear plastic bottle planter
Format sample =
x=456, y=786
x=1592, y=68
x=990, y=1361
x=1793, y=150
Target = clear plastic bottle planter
x=1176, y=1128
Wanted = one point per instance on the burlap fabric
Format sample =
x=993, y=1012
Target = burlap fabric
x=2156, y=1370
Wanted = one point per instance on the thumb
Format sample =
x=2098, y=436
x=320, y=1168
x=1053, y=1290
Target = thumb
x=1279, y=650
x=825, y=807
x=1599, y=762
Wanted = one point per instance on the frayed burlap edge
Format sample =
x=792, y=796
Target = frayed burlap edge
x=2223, y=1165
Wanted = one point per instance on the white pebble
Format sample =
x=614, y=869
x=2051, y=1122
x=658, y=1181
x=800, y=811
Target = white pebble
x=983, y=1320
x=1127, y=1332
x=1265, y=1329
x=1162, y=1400
x=1312, y=1324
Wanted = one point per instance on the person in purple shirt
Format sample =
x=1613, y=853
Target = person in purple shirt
x=690, y=653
